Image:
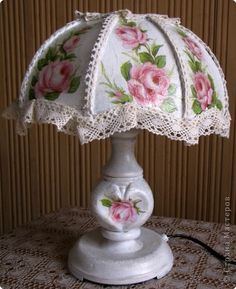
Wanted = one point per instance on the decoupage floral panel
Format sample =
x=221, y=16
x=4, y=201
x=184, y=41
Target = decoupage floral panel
x=204, y=80
x=138, y=67
x=125, y=211
x=58, y=73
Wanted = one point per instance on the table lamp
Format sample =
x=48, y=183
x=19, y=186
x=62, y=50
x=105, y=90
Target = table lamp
x=109, y=75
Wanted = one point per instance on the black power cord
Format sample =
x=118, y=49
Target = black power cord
x=205, y=246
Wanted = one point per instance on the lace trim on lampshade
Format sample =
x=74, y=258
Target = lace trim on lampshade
x=90, y=78
x=119, y=119
x=131, y=115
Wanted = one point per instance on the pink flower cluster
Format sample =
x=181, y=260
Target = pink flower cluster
x=55, y=77
x=131, y=37
x=123, y=212
x=71, y=43
x=193, y=47
x=203, y=89
x=201, y=82
x=148, y=83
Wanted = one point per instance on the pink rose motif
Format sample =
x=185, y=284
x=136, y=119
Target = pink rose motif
x=71, y=43
x=203, y=89
x=193, y=47
x=118, y=94
x=123, y=212
x=55, y=77
x=148, y=83
x=131, y=37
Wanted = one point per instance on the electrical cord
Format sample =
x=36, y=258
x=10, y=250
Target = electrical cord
x=205, y=246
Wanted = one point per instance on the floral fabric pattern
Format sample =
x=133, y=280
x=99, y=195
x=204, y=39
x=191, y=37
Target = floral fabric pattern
x=131, y=37
x=203, y=89
x=56, y=72
x=148, y=82
x=54, y=78
x=122, y=211
x=193, y=47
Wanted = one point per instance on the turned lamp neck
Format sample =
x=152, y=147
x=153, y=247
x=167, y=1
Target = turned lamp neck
x=122, y=163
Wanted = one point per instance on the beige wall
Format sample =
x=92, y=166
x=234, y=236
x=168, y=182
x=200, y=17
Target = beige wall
x=45, y=171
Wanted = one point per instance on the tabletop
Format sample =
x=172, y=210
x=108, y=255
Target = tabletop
x=34, y=256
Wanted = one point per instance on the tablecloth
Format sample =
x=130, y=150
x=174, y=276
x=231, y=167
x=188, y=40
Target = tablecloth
x=34, y=256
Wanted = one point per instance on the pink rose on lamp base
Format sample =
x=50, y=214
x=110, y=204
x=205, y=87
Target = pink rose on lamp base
x=123, y=212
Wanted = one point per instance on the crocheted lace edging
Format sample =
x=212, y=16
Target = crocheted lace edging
x=119, y=119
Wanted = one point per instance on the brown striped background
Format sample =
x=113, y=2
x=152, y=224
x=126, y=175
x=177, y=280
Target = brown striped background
x=46, y=170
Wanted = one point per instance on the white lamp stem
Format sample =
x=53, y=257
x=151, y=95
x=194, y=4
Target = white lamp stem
x=122, y=163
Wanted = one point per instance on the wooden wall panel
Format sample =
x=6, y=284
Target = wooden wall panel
x=46, y=170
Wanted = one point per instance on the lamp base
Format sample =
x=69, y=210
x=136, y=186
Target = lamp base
x=97, y=259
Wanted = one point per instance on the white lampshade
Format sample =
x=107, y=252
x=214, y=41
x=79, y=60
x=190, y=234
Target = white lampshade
x=107, y=73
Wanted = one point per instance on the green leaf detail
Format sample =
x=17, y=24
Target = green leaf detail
x=41, y=63
x=103, y=68
x=172, y=89
x=75, y=82
x=52, y=95
x=219, y=104
x=117, y=102
x=160, y=61
x=125, y=70
x=131, y=24
x=198, y=66
x=61, y=49
x=168, y=105
x=194, y=93
x=214, y=99
x=139, y=211
x=123, y=20
x=110, y=93
x=31, y=94
x=211, y=81
x=190, y=56
x=196, y=107
x=126, y=98
x=51, y=54
x=145, y=57
x=69, y=56
x=193, y=66
x=34, y=80
x=155, y=49
x=181, y=32
x=106, y=203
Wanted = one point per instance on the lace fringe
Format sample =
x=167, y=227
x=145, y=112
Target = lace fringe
x=119, y=119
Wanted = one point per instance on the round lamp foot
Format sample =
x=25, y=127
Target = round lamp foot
x=98, y=259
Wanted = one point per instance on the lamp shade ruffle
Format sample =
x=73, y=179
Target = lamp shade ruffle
x=107, y=73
